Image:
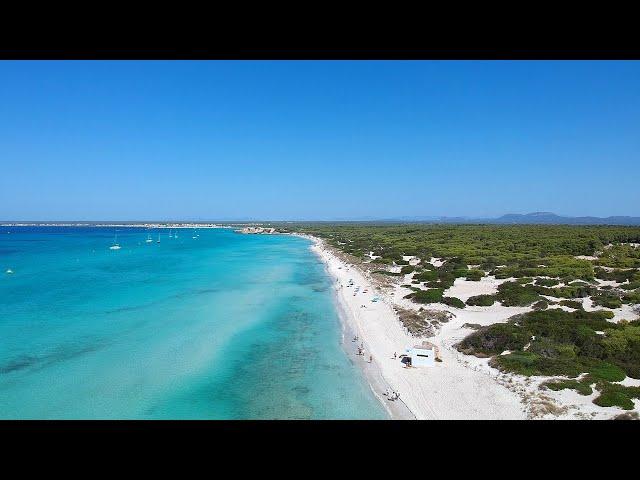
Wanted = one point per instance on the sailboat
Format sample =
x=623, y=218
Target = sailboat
x=194, y=234
x=170, y=233
x=158, y=241
x=116, y=245
x=148, y=240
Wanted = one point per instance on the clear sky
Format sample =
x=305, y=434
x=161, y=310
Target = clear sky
x=317, y=140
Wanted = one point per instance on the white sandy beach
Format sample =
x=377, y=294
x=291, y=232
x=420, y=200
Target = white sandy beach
x=448, y=390
x=459, y=387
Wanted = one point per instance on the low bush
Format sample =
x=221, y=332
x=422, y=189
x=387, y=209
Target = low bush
x=453, y=302
x=582, y=388
x=433, y=295
x=540, y=305
x=511, y=294
x=482, y=300
x=572, y=304
x=474, y=275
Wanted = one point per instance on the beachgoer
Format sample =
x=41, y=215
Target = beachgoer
x=370, y=358
x=394, y=355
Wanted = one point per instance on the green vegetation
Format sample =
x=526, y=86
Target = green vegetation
x=619, y=276
x=554, y=342
x=584, y=347
x=482, y=300
x=453, y=302
x=512, y=294
x=616, y=395
x=619, y=256
x=572, y=304
x=386, y=272
x=426, y=276
x=583, y=388
x=433, y=295
x=485, y=245
x=540, y=305
x=474, y=275
x=606, y=299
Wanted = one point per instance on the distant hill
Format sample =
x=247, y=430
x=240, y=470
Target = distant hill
x=535, y=218
x=548, y=218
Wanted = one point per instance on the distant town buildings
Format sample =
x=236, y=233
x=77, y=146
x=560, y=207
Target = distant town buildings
x=253, y=230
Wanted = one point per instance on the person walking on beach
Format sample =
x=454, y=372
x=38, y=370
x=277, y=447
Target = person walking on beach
x=370, y=358
x=394, y=355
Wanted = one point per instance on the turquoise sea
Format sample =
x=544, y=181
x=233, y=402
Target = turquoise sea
x=222, y=326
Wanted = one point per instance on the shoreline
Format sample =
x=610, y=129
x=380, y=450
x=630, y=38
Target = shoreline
x=396, y=410
x=447, y=390
x=372, y=373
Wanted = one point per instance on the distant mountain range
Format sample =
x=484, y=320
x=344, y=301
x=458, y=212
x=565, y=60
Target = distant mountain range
x=535, y=218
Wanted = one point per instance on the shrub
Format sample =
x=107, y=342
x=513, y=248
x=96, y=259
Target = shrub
x=581, y=387
x=572, y=304
x=607, y=300
x=386, y=272
x=605, y=371
x=426, y=276
x=453, y=302
x=612, y=395
x=540, y=305
x=433, y=295
x=482, y=300
x=546, y=282
x=631, y=297
x=474, y=275
x=511, y=294
x=407, y=269
x=631, y=285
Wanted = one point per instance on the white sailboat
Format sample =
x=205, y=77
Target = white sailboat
x=116, y=245
x=194, y=234
x=158, y=241
x=148, y=240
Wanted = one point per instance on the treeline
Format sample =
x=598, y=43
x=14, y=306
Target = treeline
x=486, y=245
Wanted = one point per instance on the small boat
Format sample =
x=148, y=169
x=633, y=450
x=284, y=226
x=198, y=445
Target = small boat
x=148, y=240
x=116, y=245
x=158, y=241
x=9, y=271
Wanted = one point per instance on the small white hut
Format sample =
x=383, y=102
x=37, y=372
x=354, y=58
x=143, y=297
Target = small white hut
x=421, y=355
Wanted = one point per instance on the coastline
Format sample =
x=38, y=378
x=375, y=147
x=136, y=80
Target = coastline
x=452, y=389
x=372, y=373
x=397, y=409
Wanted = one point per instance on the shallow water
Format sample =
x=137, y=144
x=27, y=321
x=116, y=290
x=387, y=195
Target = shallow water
x=224, y=326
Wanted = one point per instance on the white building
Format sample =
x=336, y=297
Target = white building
x=421, y=355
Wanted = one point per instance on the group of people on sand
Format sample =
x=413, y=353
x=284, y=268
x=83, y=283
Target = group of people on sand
x=361, y=349
x=392, y=394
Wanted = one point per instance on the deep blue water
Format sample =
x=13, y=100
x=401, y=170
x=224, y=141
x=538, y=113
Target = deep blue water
x=224, y=326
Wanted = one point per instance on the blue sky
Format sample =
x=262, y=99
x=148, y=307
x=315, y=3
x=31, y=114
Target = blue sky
x=317, y=140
